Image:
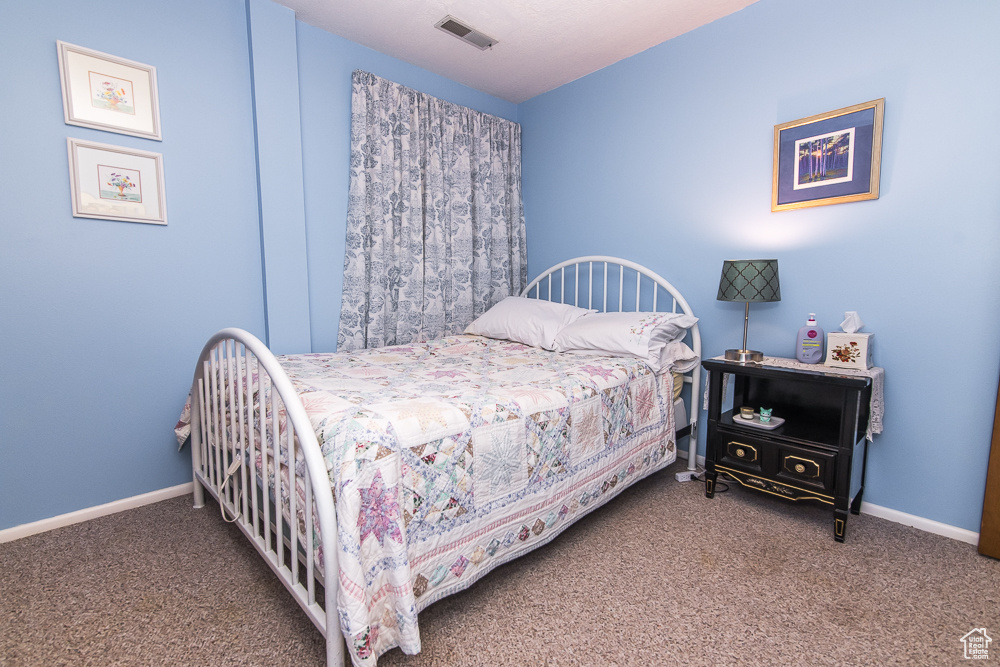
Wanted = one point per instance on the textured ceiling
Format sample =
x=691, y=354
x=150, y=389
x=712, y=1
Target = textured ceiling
x=541, y=44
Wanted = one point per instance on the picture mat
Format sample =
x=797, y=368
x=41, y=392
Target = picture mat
x=863, y=123
x=75, y=67
x=86, y=163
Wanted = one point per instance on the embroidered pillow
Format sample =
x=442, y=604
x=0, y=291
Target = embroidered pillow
x=534, y=322
x=645, y=336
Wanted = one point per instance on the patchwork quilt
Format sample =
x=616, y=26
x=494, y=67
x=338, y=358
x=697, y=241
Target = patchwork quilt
x=451, y=457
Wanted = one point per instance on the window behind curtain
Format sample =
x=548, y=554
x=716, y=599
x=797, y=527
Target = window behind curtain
x=435, y=223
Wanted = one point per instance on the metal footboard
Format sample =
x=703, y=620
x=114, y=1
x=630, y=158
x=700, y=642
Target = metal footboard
x=248, y=431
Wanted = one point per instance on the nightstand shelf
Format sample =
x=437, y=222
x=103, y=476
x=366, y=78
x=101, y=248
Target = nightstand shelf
x=819, y=454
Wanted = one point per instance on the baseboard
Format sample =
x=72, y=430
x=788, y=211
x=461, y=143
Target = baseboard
x=699, y=460
x=927, y=525
x=24, y=530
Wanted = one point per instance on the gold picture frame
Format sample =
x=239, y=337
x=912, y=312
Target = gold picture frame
x=829, y=158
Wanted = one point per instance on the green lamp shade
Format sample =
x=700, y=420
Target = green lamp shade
x=749, y=280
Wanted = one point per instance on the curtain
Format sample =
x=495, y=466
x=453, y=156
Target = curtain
x=435, y=223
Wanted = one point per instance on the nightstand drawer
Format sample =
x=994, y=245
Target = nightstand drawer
x=801, y=467
x=738, y=450
x=808, y=468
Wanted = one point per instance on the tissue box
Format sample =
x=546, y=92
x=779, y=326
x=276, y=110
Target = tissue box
x=849, y=350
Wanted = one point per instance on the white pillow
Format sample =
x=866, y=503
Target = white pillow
x=641, y=335
x=677, y=357
x=534, y=322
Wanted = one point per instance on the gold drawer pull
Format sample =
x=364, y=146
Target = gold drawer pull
x=742, y=451
x=800, y=466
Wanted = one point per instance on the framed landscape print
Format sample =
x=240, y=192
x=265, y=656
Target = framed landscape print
x=830, y=158
x=115, y=183
x=104, y=92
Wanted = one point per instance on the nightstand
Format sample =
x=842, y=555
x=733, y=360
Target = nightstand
x=819, y=451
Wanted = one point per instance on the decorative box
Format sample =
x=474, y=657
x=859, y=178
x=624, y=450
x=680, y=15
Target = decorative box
x=849, y=350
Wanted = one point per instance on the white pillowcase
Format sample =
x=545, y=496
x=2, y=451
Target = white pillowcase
x=534, y=322
x=652, y=337
x=677, y=357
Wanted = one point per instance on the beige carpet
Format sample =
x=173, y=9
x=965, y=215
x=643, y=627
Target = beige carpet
x=662, y=576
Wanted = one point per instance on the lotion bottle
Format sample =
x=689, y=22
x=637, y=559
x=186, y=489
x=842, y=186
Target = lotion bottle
x=809, y=344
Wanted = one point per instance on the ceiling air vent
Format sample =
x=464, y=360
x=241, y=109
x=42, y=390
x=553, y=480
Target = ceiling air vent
x=465, y=33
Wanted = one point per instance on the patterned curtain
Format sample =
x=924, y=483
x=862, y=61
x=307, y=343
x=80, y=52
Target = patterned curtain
x=435, y=223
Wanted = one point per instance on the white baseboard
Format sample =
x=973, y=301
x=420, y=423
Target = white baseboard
x=699, y=460
x=926, y=525
x=24, y=530
x=936, y=527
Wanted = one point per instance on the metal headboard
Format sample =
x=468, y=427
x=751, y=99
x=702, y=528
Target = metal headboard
x=624, y=286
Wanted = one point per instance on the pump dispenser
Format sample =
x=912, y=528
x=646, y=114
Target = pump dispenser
x=809, y=344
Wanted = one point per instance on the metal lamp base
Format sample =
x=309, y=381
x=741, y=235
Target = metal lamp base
x=744, y=356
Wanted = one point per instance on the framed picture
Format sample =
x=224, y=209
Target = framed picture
x=831, y=158
x=115, y=183
x=108, y=93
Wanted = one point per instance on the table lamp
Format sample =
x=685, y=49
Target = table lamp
x=748, y=280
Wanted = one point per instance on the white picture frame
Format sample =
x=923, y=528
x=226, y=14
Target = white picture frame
x=105, y=92
x=115, y=183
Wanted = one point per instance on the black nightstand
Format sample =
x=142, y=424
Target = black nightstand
x=818, y=454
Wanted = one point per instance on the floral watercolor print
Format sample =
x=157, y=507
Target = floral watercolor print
x=116, y=183
x=119, y=184
x=111, y=93
x=824, y=159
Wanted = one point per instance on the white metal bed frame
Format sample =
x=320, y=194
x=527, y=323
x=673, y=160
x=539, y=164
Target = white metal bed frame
x=607, y=266
x=222, y=459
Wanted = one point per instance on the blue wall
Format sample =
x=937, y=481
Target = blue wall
x=666, y=158
x=101, y=321
x=278, y=134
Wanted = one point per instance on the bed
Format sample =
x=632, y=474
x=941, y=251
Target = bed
x=448, y=457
